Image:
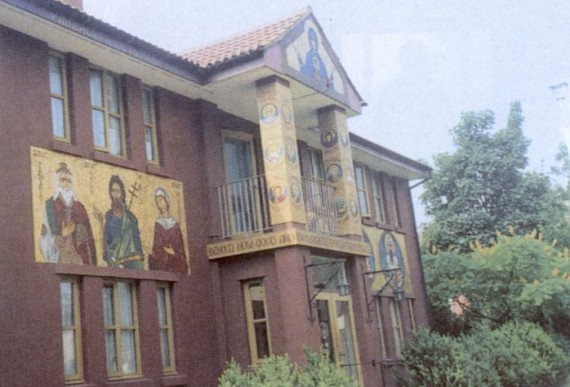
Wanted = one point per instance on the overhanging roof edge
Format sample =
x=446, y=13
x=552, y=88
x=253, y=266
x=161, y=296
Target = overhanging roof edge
x=107, y=35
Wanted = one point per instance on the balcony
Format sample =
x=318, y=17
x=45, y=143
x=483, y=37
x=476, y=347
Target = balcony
x=244, y=208
x=320, y=206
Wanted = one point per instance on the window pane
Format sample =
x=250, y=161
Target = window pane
x=359, y=177
x=115, y=145
x=55, y=75
x=57, y=117
x=98, y=118
x=96, y=87
x=344, y=327
x=149, y=140
x=129, y=359
x=262, y=339
x=258, y=309
x=147, y=107
x=125, y=304
x=69, y=356
x=111, y=349
x=362, y=202
x=239, y=163
x=161, y=298
x=317, y=168
x=108, y=305
x=164, y=348
x=113, y=85
x=66, y=289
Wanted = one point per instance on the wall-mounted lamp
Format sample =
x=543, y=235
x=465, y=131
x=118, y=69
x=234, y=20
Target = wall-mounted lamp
x=338, y=273
x=392, y=280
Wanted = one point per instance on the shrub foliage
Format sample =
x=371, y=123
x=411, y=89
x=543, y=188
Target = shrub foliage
x=318, y=371
x=514, y=355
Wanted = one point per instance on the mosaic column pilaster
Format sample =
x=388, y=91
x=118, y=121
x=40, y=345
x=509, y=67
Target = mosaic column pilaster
x=339, y=169
x=280, y=157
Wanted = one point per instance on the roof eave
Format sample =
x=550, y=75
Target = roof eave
x=417, y=169
x=105, y=34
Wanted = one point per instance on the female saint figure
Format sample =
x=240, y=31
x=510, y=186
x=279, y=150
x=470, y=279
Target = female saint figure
x=168, y=246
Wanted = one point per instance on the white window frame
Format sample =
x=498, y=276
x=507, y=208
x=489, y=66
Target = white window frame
x=62, y=96
x=149, y=117
x=166, y=328
x=108, y=115
x=362, y=189
x=117, y=327
x=379, y=198
x=252, y=321
x=71, y=326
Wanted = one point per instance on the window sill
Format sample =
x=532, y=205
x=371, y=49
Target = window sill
x=367, y=221
x=131, y=383
x=80, y=383
x=65, y=147
x=99, y=271
x=156, y=169
x=174, y=380
x=112, y=159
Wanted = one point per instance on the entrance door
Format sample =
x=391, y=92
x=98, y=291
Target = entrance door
x=241, y=190
x=337, y=331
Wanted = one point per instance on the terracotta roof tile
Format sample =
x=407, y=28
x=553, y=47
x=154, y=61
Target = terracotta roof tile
x=244, y=44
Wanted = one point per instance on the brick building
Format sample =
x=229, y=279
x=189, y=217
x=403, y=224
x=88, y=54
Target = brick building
x=163, y=214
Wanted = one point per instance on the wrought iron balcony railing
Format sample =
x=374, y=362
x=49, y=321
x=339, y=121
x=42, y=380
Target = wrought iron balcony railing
x=243, y=206
x=244, y=209
x=320, y=206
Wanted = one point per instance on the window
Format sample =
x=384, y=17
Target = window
x=411, y=312
x=397, y=219
x=257, y=323
x=149, y=125
x=121, y=329
x=243, y=199
x=165, y=323
x=107, y=112
x=316, y=164
x=379, y=317
x=378, y=194
x=71, y=330
x=396, y=326
x=361, y=190
x=58, y=99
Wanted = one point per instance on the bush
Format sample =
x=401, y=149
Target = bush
x=512, y=355
x=318, y=371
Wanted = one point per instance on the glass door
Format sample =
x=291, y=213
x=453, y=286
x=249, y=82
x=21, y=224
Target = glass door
x=241, y=188
x=337, y=332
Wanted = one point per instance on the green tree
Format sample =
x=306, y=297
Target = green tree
x=517, y=278
x=482, y=187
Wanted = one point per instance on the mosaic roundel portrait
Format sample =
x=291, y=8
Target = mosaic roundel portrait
x=278, y=193
x=269, y=113
x=341, y=210
x=287, y=113
x=291, y=151
x=296, y=192
x=333, y=172
x=329, y=138
x=273, y=153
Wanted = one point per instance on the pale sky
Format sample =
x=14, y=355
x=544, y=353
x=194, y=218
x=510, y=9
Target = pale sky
x=417, y=63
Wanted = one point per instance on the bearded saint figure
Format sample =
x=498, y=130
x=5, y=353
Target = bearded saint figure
x=121, y=237
x=66, y=235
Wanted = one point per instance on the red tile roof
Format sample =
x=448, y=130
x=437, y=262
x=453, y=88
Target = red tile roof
x=253, y=41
